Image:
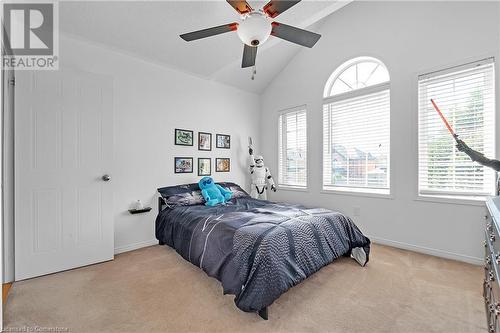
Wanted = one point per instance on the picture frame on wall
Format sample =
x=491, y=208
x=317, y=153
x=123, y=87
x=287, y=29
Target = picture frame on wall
x=204, y=166
x=223, y=141
x=204, y=141
x=183, y=164
x=183, y=137
x=222, y=164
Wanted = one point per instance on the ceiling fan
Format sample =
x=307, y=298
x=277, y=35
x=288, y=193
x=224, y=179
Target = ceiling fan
x=256, y=26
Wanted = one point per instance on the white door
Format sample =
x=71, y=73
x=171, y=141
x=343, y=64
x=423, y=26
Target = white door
x=63, y=147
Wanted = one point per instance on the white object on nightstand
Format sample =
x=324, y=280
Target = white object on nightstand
x=138, y=205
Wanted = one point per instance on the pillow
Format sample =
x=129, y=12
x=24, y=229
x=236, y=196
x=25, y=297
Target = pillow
x=185, y=199
x=172, y=190
x=190, y=194
x=238, y=192
x=182, y=195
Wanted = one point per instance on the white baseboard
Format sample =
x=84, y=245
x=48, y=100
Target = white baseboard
x=427, y=250
x=135, y=246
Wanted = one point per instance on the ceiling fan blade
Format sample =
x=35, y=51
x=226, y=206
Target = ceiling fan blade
x=209, y=32
x=275, y=7
x=249, y=55
x=295, y=35
x=241, y=7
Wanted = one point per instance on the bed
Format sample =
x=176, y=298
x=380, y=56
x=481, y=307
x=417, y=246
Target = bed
x=257, y=249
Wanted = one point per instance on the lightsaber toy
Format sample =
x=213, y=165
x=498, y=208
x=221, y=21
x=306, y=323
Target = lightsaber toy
x=448, y=126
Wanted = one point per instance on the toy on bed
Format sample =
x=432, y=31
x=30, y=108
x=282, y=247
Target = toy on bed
x=214, y=194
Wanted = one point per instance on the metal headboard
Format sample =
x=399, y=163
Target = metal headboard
x=161, y=204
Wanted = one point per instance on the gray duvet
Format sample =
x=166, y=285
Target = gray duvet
x=259, y=249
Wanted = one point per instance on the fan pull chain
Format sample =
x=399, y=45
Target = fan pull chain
x=254, y=72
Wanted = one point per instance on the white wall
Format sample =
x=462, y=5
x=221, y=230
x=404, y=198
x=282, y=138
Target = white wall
x=410, y=38
x=149, y=102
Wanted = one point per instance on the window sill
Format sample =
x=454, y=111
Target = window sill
x=371, y=193
x=292, y=188
x=452, y=199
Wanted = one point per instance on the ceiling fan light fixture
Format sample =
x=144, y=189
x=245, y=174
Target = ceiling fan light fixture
x=254, y=29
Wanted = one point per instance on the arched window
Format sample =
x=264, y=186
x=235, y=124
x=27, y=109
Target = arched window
x=356, y=127
x=356, y=74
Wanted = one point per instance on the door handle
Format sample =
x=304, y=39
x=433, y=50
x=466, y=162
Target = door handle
x=106, y=178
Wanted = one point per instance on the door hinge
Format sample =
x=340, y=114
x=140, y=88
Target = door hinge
x=12, y=82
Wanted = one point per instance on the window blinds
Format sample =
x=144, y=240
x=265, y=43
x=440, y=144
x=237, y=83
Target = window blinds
x=293, y=148
x=356, y=141
x=466, y=96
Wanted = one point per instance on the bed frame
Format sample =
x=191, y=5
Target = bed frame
x=161, y=206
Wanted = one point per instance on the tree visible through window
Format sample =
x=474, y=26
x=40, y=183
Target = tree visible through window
x=466, y=96
x=356, y=127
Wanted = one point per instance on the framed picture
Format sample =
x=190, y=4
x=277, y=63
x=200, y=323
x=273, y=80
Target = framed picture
x=222, y=164
x=183, y=137
x=183, y=164
x=204, y=141
x=204, y=166
x=223, y=141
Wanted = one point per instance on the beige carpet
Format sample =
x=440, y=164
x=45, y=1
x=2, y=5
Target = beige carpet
x=155, y=290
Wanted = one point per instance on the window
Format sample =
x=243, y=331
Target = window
x=293, y=148
x=356, y=128
x=466, y=97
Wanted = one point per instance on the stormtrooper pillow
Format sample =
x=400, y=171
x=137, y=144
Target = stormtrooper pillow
x=238, y=192
x=182, y=195
x=185, y=199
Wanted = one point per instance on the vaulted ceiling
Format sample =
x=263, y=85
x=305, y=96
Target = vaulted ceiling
x=151, y=29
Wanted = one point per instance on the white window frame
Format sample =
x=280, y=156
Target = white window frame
x=280, y=149
x=449, y=196
x=346, y=189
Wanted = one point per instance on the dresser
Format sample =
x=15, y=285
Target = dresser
x=491, y=284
